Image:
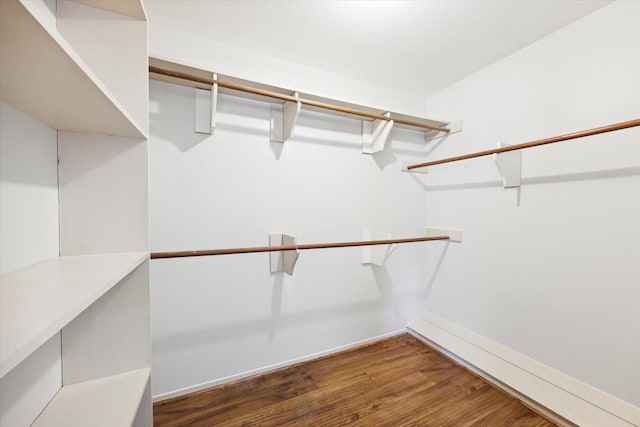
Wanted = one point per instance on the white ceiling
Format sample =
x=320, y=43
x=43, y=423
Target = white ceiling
x=407, y=45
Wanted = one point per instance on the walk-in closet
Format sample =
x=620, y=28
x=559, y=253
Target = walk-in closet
x=225, y=213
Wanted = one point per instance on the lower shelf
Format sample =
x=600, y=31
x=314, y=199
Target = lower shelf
x=38, y=301
x=110, y=402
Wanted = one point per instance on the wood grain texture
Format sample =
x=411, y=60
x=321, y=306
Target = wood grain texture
x=575, y=135
x=290, y=98
x=300, y=247
x=395, y=381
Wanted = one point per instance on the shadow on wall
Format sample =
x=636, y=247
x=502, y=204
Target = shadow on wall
x=551, y=179
x=168, y=117
x=23, y=141
x=385, y=157
x=197, y=338
x=352, y=127
x=185, y=141
x=173, y=117
x=104, y=149
x=276, y=303
x=277, y=321
x=436, y=143
x=436, y=270
x=384, y=282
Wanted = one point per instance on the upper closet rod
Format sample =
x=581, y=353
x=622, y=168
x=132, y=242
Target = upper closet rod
x=581, y=134
x=291, y=247
x=283, y=97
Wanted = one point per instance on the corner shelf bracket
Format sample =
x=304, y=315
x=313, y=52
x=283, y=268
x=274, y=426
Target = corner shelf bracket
x=283, y=261
x=454, y=127
x=455, y=234
x=375, y=134
x=378, y=254
x=510, y=167
x=283, y=119
x=206, y=106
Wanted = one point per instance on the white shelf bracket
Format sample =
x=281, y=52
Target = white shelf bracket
x=455, y=235
x=510, y=166
x=375, y=134
x=283, y=260
x=206, y=107
x=283, y=119
x=377, y=254
x=214, y=102
x=454, y=127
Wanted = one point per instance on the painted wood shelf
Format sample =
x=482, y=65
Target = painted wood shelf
x=43, y=76
x=131, y=8
x=38, y=301
x=184, y=68
x=104, y=402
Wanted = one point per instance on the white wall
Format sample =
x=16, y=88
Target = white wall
x=29, y=230
x=104, y=203
x=28, y=190
x=551, y=270
x=213, y=317
x=207, y=54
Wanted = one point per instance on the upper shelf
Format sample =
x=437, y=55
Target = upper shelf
x=181, y=68
x=43, y=76
x=38, y=301
x=131, y=8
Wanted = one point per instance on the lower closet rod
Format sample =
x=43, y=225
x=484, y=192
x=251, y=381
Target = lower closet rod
x=229, y=251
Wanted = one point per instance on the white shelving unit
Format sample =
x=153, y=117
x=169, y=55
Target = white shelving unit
x=38, y=301
x=65, y=92
x=75, y=346
x=132, y=8
x=109, y=402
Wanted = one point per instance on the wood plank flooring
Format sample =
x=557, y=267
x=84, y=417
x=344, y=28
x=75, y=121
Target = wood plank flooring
x=398, y=381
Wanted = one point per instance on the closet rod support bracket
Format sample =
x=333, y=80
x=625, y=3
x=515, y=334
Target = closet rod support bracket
x=283, y=119
x=375, y=134
x=206, y=107
x=282, y=261
x=376, y=255
x=510, y=166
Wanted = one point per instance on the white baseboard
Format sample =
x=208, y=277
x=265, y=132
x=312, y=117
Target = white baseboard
x=574, y=400
x=219, y=381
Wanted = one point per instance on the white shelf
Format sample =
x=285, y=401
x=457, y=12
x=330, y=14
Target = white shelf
x=38, y=301
x=184, y=68
x=131, y=8
x=42, y=75
x=110, y=402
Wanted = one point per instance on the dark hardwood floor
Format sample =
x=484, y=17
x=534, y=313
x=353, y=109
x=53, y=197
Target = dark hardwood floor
x=398, y=381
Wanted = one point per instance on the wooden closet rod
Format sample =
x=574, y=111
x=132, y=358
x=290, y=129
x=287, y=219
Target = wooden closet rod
x=283, y=97
x=229, y=251
x=581, y=134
